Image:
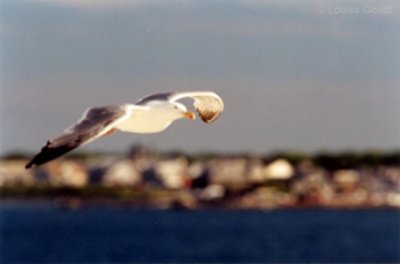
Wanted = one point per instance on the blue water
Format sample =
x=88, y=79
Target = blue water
x=44, y=233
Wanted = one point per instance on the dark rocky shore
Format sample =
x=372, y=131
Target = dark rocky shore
x=145, y=178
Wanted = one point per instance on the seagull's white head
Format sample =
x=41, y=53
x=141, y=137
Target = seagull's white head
x=180, y=111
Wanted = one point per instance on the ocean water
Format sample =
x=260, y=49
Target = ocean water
x=45, y=233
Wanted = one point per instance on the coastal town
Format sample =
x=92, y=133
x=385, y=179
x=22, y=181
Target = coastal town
x=147, y=178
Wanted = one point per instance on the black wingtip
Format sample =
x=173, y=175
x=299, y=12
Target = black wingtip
x=49, y=153
x=29, y=165
x=33, y=163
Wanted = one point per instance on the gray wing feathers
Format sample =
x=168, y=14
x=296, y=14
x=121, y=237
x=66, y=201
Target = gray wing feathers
x=94, y=123
x=155, y=97
x=95, y=120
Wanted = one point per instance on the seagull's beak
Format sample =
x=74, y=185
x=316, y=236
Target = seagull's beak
x=189, y=115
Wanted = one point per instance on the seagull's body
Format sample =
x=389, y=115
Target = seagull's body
x=150, y=114
x=138, y=117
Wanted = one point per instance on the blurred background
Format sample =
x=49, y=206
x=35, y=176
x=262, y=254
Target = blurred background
x=311, y=121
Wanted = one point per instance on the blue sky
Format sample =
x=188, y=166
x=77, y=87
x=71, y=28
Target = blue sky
x=304, y=75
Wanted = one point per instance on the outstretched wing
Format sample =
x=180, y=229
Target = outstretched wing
x=154, y=98
x=208, y=104
x=94, y=123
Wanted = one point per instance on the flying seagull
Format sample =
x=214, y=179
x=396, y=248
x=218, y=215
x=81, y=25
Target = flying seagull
x=151, y=114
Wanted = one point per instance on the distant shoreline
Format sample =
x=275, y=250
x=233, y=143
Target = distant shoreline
x=146, y=178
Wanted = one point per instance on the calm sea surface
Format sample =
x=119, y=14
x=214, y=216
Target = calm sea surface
x=45, y=233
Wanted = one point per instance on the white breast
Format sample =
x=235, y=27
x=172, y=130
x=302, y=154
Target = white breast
x=145, y=121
